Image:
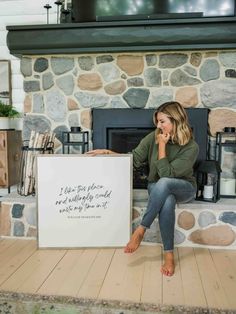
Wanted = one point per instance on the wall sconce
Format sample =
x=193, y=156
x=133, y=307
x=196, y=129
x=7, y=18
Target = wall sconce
x=225, y=153
x=208, y=181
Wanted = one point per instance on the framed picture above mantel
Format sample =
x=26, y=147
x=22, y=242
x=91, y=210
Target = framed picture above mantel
x=5, y=82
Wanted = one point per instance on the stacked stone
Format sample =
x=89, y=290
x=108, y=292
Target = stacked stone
x=61, y=90
x=197, y=224
x=18, y=218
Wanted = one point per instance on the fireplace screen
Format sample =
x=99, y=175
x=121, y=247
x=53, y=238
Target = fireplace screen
x=124, y=140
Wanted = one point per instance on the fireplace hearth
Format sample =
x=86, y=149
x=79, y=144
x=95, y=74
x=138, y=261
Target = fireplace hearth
x=122, y=129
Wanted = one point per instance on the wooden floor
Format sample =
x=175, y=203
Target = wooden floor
x=203, y=278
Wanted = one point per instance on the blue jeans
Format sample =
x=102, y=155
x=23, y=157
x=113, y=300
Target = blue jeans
x=163, y=196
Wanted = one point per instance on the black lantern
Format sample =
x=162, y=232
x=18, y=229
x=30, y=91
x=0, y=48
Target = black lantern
x=225, y=153
x=75, y=138
x=208, y=181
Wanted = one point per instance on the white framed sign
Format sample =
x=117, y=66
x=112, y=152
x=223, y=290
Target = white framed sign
x=84, y=201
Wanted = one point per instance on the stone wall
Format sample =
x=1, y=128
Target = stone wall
x=18, y=216
x=61, y=90
x=198, y=224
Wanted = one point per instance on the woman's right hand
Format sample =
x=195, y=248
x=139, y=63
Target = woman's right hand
x=96, y=152
x=163, y=138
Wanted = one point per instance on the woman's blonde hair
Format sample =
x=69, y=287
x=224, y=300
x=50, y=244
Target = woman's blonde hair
x=182, y=132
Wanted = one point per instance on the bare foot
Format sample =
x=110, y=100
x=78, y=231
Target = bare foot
x=135, y=240
x=168, y=268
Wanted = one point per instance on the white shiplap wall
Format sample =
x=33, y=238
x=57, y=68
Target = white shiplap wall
x=21, y=12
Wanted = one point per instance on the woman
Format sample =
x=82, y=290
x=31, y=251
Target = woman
x=171, y=152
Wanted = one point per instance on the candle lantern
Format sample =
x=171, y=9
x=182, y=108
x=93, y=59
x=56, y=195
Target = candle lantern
x=208, y=181
x=225, y=153
x=75, y=138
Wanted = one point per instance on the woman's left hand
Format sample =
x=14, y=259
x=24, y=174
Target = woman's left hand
x=96, y=152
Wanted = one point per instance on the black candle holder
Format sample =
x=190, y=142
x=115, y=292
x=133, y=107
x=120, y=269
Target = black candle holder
x=48, y=7
x=226, y=144
x=75, y=138
x=208, y=181
x=58, y=3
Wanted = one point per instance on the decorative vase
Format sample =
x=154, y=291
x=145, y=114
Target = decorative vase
x=4, y=123
x=16, y=123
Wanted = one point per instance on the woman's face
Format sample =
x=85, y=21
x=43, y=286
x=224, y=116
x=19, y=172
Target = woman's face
x=164, y=123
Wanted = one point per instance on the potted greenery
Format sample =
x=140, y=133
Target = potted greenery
x=6, y=113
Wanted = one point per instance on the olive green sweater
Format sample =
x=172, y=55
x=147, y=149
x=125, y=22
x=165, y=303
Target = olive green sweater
x=178, y=162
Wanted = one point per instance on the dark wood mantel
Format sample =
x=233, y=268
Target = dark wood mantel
x=150, y=35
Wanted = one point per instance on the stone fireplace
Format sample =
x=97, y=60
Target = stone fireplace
x=62, y=91
x=78, y=69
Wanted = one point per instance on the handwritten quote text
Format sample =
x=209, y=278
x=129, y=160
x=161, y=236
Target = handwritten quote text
x=83, y=199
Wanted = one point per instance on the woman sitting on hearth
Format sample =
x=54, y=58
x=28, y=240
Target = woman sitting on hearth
x=170, y=152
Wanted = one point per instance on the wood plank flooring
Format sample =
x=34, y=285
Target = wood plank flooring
x=204, y=278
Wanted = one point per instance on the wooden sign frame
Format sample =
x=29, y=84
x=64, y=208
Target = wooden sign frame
x=84, y=201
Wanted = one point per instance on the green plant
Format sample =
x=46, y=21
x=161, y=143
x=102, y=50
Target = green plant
x=8, y=111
